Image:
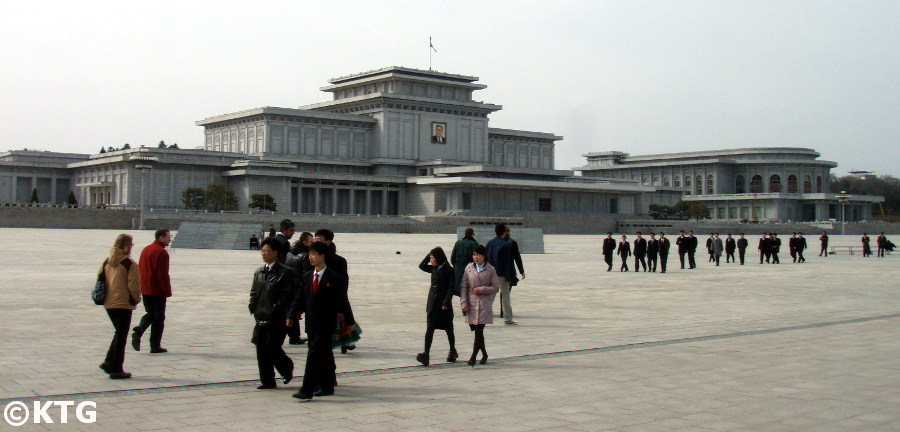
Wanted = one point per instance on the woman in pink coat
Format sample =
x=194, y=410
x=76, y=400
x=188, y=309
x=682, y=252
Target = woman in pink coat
x=476, y=298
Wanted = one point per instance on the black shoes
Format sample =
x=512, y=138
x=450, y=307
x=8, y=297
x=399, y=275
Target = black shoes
x=321, y=393
x=135, y=339
x=302, y=395
x=452, y=356
x=120, y=375
x=158, y=350
x=105, y=367
x=484, y=359
x=266, y=387
x=297, y=341
x=287, y=378
x=422, y=358
x=345, y=348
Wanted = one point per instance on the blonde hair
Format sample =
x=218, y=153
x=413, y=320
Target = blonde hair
x=124, y=242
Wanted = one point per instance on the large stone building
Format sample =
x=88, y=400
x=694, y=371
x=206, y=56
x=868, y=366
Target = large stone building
x=756, y=184
x=398, y=141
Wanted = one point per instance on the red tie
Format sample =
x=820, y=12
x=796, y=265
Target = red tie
x=315, y=283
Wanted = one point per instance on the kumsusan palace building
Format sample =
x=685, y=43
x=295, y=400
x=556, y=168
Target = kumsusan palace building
x=403, y=141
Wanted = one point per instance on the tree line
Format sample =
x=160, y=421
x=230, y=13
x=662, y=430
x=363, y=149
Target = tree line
x=218, y=197
x=884, y=185
x=126, y=146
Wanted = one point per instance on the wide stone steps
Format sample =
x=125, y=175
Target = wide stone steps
x=212, y=235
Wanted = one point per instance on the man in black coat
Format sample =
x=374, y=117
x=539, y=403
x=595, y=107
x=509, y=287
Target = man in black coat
x=792, y=246
x=800, y=246
x=682, y=243
x=640, y=252
x=692, y=249
x=323, y=298
x=664, y=245
x=823, y=244
x=609, y=248
x=270, y=298
x=765, y=248
x=284, y=239
x=742, y=244
x=729, y=249
x=336, y=263
x=652, y=251
x=776, y=247
x=298, y=260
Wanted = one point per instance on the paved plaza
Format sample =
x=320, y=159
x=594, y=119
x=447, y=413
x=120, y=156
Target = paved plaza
x=789, y=347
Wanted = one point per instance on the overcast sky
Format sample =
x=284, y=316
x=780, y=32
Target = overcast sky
x=634, y=76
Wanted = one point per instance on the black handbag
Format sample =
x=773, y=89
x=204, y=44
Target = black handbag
x=98, y=294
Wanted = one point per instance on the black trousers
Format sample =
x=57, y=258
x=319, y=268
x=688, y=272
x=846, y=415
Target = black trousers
x=624, y=266
x=320, y=369
x=729, y=256
x=154, y=319
x=608, y=259
x=269, y=354
x=823, y=251
x=662, y=262
x=121, y=320
x=651, y=262
x=800, y=257
x=639, y=259
x=691, y=259
x=681, y=257
x=741, y=253
x=775, y=259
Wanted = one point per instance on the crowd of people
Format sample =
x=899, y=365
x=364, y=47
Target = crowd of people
x=648, y=253
x=306, y=283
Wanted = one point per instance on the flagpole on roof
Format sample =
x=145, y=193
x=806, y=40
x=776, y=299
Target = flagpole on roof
x=430, y=49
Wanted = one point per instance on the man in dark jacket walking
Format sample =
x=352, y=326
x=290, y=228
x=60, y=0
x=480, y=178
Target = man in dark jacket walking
x=499, y=255
x=270, y=297
x=682, y=243
x=609, y=248
x=640, y=252
x=729, y=249
x=800, y=246
x=284, y=239
x=823, y=244
x=765, y=248
x=742, y=244
x=692, y=249
x=652, y=252
x=664, y=246
x=155, y=289
x=776, y=247
x=461, y=255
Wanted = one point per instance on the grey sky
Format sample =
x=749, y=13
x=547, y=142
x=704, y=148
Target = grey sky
x=634, y=76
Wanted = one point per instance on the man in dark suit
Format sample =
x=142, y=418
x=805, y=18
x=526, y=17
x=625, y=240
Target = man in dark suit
x=692, y=249
x=664, y=245
x=776, y=247
x=800, y=246
x=640, y=252
x=742, y=244
x=765, y=248
x=438, y=137
x=823, y=244
x=323, y=298
x=499, y=255
x=336, y=263
x=729, y=249
x=682, y=243
x=270, y=298
x=652, y=251
x=792, y=246
x=284, y=239
x=709, y=248
x=609, y=248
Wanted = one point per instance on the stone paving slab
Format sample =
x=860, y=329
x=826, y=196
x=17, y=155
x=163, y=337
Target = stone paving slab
x=708, y=349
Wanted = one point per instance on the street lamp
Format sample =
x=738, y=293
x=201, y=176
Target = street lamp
x=843, y=198
x=143, y=164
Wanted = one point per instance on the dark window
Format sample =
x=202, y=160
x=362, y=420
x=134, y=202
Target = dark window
x=756, y=185
x=792, y=184
x=544, y=204
x=807, y=185
x=613, y=205
x=739, y=186
x=775, y=183
x=467, y=200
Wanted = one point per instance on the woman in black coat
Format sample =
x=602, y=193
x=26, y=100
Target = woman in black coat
x=439, y=306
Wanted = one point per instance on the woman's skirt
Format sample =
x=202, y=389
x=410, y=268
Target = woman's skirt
x=342, y=336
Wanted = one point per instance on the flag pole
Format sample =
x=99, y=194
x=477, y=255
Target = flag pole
x=430, y=47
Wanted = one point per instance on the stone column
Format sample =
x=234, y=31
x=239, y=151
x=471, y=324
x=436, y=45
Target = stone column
x=318, y=207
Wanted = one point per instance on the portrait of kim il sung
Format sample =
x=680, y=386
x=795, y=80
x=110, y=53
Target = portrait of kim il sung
x=439, y=133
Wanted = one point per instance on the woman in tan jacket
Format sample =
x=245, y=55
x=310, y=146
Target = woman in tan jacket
x=123, y=293
x=476, y=297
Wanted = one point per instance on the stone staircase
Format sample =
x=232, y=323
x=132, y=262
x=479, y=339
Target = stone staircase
x=212, y=235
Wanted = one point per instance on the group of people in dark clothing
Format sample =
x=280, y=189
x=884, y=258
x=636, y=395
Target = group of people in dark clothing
x=308, y=278
x=648, y=252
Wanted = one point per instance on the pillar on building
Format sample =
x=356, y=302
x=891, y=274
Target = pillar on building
x=318, y=208
x=369, y=198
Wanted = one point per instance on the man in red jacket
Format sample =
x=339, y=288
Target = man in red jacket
x=155, y=287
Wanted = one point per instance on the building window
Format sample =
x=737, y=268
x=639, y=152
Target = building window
x=792, y=184
x=613, y=205
x=756, y=185
x=656, y=181
x=721, y=213
x=645, y=181
x=807, y=184
x=666, y=181
x=710, y=185
x=467, y=201
x=739, y=186
x=678, y=181
x=775, y=183
x=698, y=186
x=544, y=204
x=687, y=185
x=819, y=184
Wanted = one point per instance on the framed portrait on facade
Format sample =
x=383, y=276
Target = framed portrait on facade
x=439, y=133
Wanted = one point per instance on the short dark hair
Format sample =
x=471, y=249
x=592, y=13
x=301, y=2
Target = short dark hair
x=319, y=248
x=480, y=250
x=273, y=244
x=662, y=233
x=305, y=235
x=325, y=233
x=439, y=255
x=285, y=224
x=638, y=232
x=470, y=232
x=499, y=229
x=162, y=232
x=608, y=233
